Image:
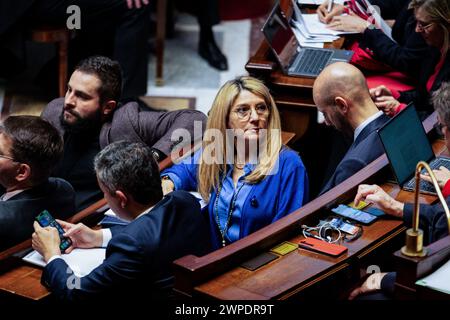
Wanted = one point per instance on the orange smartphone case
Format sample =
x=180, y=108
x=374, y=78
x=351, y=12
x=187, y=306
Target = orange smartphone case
x=322, y=247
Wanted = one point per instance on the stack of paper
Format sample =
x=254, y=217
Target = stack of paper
x=438, y=280
x=81, y=261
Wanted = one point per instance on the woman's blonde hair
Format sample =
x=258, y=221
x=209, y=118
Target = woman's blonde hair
x=439, y=13
x=209, y=173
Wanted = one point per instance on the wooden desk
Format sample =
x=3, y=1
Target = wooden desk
x=297, y=274
x=293, y=95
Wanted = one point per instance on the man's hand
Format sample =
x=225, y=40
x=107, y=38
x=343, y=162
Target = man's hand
x=137, y=3
x=379, y=92
x=325, y=16
x=46, y=241
x=374, y=194
x=387, y=104
x=372, y=283
x=442, y=175
x=349, y=23
x=81, y=236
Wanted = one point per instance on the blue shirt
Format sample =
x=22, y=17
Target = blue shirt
x=281, y=192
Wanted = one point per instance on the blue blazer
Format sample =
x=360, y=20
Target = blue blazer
x=366, y=148
x=271, y=199
x=139, y=256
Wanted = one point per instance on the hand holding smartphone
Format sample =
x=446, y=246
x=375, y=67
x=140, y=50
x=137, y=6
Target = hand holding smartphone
x=45, y=219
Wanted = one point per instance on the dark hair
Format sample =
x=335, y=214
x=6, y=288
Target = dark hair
x=109, y=73
x=34, y=142
x=131, y=168
x=441, y=102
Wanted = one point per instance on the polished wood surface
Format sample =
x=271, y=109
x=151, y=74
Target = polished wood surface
x=219, y=275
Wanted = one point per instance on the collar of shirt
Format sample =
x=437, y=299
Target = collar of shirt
x=361, y=127
x=9, y=195
x=145, y=212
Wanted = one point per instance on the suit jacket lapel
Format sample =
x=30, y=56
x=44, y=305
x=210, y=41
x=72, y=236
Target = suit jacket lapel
x=371, y=127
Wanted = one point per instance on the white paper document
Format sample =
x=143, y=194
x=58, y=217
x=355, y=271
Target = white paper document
x=438, y=280
x=81, y=261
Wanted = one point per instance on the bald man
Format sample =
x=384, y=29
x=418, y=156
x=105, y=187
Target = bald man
x=340, y=92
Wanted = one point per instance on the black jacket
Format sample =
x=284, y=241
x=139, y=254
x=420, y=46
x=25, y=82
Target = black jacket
x=17, y=213
x=420, y=96
x=407, y=52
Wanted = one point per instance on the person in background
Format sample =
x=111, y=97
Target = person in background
x=433, y=24
x=29, y=149
x=374, y=49
x=90, y=117
x=246, y=175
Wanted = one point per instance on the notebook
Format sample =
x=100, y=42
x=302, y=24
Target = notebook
x=294, y=59
x=405, y=143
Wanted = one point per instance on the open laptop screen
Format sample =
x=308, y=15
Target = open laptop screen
x=405, y=143
x=280, y=36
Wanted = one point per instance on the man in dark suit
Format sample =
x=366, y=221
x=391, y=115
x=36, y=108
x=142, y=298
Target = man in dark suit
x=341, y=94
x=90, y=117
x=138, y=256
x=29, y=149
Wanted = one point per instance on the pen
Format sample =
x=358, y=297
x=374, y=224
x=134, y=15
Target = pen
x=330, y=5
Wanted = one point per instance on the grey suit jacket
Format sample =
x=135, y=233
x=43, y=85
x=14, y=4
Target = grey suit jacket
x=135, y=124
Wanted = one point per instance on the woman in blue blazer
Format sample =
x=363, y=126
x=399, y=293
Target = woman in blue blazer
x=244, y=173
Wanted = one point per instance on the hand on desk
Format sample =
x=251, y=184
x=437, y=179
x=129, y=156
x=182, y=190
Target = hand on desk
x=325, y=16
x=349, y=23
x=375, y=194
x=442, y=175
x=372, y=283
x=45, y=241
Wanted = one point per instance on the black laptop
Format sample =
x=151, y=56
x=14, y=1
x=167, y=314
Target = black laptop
x=405, y=143
x=294, y=59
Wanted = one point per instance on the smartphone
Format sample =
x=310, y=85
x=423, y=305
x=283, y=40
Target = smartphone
x=45, y=219
x=374, y=211
x=340, y=224
x=354, y=214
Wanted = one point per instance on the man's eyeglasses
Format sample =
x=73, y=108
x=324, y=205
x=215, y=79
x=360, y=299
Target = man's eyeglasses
x=423, y=27
x=6, y=157
x=243, y=113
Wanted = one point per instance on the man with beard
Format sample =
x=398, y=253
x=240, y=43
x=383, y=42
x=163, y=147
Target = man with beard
x=341, y=94
x=89, y=118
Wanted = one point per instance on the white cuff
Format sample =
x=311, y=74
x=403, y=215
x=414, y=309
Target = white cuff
x=54, y=258
x=107, y=235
